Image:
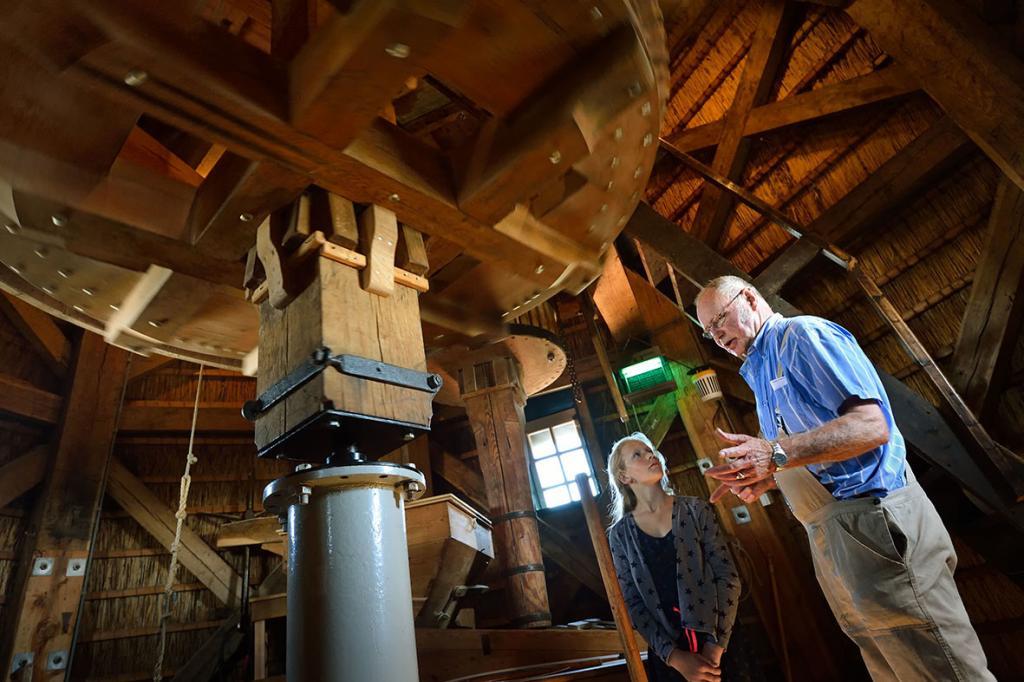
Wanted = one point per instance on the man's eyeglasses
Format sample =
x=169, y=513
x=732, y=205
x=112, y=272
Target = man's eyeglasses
x=716, y=321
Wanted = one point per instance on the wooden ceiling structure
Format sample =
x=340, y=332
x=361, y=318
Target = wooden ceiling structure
x=891, y=129
x=150, y=144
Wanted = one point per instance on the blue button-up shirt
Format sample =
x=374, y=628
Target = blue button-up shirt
x=804, y=371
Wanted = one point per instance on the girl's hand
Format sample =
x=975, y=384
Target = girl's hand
x=694, y=667
x=712, y=652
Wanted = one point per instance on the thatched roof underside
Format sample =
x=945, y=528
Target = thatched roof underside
x=923, y=256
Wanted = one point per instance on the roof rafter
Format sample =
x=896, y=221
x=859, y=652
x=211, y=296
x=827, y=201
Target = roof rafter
x=904, y=174
x=992, y=320
x=877, y=86
x=770, y=42
x=961, y=64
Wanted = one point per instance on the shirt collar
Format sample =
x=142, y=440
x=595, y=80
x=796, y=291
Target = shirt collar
x=769, y=324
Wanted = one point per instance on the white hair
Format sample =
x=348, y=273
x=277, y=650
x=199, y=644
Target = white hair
x=623, y=497
x=728, y=286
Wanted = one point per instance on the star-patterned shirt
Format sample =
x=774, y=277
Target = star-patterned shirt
x=707, y=585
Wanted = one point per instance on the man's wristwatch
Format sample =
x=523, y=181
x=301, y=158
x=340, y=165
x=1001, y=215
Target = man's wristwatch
x=779, y=456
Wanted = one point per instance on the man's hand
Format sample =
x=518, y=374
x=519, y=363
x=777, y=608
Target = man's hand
x=748, y=469
x=694, y=667
x=749, y=459
x=712, y=652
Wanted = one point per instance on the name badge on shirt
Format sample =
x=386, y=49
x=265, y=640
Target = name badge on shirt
x=778, y=383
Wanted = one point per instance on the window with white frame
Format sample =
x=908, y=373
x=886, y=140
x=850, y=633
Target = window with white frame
x=557, y=456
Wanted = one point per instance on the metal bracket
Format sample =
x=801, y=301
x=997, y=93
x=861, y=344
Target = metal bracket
x=57, y=660
x=22, y=659
x=350, y=365
x=43, y=565
x=76, y=568
x=741, y=514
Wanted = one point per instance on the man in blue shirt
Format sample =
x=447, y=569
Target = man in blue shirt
x=828, y=441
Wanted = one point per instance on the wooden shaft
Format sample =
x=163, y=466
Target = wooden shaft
x=602, y=357
x=496, y=415
x=611, y=582
x=1010, y=465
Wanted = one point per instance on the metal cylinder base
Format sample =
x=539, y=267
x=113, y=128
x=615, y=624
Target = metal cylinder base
x=349, y=599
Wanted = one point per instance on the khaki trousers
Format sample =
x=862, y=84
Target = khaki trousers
x=886, y=568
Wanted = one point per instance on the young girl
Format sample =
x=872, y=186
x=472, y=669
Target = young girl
x=675, y=570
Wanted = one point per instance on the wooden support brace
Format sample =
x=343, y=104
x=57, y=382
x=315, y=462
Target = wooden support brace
x=378, y=235
x=41, y=615
x=25, y=400
x=1010, y=465
x=22, y=474
x=157, y=518
x=412, y=254
x=992, y=320
x=40, y=330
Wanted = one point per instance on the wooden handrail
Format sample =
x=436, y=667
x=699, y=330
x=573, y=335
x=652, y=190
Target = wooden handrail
x=611, y=582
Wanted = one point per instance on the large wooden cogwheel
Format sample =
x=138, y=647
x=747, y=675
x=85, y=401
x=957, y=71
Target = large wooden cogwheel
x=144, y=144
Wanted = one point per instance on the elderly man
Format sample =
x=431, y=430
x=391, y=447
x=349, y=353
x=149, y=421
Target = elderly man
x=828, y=441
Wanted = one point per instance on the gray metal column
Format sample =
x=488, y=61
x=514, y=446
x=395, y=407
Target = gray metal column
x=350, y=614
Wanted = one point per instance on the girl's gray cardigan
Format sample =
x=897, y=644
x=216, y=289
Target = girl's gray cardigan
x=706, y=579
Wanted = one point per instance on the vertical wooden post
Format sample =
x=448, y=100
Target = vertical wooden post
x=43, y=611
x=494, y=404
x=611, y=582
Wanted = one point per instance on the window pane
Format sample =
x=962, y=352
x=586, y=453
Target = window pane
x=549, y=472
x=575, y=491
x=567, y=436
x=555, y=497
x=574, y=462
x=541, y=444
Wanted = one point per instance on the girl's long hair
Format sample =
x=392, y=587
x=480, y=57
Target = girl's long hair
x=623, y=498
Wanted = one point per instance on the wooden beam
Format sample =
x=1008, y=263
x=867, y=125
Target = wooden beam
x=877, y=86
x=233, y=201
x=291, y=24
x=910, y=169
x=907, y=172
x=992, y=320
x=769, y=44
x=227, y=103
x=108, y=241
x=147, y=416
x=214, y=653
x=688, y=255
x=22, y=399
x=143, y=366
x=158, y=519
x=378, y=234
x=40, y=330
x=460, y=475
x=1009, y=465
x=961, y=63
x=659, y=420
x=512, y=160
x=22, y=474
x=567, y=555
x=620, y=613
x=43, y=613
x=794, y=259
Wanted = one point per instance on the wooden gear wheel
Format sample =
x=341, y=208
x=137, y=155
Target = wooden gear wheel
x=143, y=145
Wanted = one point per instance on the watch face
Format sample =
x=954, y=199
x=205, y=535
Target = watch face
x=779, y=455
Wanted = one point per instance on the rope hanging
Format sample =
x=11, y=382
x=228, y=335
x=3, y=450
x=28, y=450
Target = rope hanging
x=186, y=483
